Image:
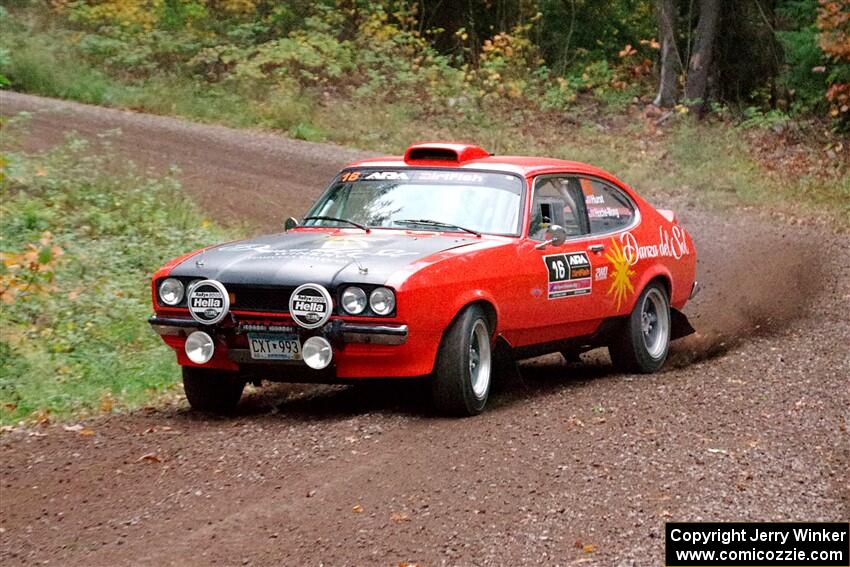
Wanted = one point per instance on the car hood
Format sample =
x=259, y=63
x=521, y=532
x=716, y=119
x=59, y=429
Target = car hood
x=297, y=257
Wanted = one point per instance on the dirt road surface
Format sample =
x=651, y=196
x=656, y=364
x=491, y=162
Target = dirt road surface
x=573, y=464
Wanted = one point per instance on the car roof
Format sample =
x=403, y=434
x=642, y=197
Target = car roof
x=468, y=156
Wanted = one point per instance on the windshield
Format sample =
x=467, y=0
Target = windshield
x=458, y=200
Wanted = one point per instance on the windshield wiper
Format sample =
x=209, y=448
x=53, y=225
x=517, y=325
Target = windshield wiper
x=437, y=224
x=336, y=219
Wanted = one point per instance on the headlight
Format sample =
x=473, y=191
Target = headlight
x=199, y=347
x=171, y=291
x=354, y=300
x=382, y=301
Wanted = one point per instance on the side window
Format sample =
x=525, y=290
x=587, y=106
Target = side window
x=608, y=208
x=557, y=200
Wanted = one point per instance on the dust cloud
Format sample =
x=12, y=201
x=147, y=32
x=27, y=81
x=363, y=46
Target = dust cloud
x=754, y=282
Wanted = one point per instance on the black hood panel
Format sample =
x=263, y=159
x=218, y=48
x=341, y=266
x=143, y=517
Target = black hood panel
x=297, y=257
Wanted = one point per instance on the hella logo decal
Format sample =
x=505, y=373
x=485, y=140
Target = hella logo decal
x=208, y=302
x=310, y=305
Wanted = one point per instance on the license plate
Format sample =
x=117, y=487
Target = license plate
x=274, y=346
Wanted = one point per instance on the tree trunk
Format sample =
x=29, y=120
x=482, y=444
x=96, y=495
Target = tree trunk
x=670, y=63
x=700, y=63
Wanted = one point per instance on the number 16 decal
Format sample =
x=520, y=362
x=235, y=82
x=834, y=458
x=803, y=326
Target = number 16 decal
x=569, y=274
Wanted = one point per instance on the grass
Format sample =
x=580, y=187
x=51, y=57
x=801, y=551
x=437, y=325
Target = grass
x=706, y=162
x=711, y=162
x=82, y=231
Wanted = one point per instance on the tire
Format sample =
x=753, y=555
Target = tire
x=212, y=391
x=642, y=342
x=462, y=375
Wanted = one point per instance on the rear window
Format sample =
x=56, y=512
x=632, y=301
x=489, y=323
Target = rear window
x=608, y=208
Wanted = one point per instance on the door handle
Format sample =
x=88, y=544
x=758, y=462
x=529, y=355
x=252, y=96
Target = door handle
x=597, y=248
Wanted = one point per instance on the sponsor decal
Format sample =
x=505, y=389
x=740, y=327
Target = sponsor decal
x=386, y=176
x=603, y=213
x=601, y=273
x=431, y=176
x=310, y=305
x=334, y=251
x=628, y=252
x=621, y=286
x=245, y=327
x=345, y=242
x=208, y=302
x=569, y=274
x=450, y=176
x=673, y=244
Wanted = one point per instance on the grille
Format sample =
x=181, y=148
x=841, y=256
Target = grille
x=251, y=298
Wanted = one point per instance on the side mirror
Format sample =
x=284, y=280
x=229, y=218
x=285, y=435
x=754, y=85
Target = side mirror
x=555, y=236
x=290, y=223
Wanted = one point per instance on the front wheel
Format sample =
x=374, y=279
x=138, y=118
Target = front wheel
x=642, y=343
x=212, y=391
x=461, y=381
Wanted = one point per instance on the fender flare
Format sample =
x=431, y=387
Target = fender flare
x=657, y=271
x=680, y=326
x=469, y=297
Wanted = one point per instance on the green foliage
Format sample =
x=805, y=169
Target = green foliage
x=804, y=75
x=83, y=334
x=314, y=56
x=44, y=68
x=754, y=117
x=370, y=50
x=585, y=31
x=306, y=131
x=541, y=54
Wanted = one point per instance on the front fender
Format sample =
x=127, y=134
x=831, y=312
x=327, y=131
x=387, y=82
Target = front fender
x=472, y=296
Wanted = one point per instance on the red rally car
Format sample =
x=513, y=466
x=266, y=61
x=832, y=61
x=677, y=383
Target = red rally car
x=427, y=266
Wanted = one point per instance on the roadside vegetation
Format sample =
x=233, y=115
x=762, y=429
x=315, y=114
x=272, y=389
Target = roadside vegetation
x=81, y=233
x=571, y=79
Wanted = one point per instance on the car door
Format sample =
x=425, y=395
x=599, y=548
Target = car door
x=560, y=302
x=611, y=216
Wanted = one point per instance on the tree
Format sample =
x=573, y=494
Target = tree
x=670, y=60
x=700, y=64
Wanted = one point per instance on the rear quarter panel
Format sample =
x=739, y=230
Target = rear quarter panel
x=657, y=248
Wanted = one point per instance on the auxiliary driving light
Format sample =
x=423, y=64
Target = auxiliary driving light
x=317, y=353
x=199, y=347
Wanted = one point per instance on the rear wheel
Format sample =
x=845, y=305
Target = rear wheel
x=212, y=391
x=642, y=343
x=462, y=373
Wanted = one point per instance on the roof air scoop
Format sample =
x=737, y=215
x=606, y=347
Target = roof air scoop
x=443, y=153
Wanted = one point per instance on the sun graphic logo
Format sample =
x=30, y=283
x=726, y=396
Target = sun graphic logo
x=621, y=274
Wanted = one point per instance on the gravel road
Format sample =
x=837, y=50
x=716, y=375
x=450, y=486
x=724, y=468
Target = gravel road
x=572, y=464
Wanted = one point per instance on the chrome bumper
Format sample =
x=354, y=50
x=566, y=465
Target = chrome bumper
x=377, y=334
x=173, y=325
x=374, y=334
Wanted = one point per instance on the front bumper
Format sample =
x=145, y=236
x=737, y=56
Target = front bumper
x=361, y=349
x=378, y=334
